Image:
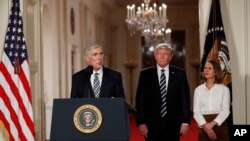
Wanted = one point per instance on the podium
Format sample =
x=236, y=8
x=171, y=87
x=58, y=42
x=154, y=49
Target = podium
x=68, y=122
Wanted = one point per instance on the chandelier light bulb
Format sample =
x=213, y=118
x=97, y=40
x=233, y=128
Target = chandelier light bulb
x=147, y=20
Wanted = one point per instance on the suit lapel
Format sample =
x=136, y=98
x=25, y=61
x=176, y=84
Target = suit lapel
x=170, y=79
x=155, y=80
x=104, y=82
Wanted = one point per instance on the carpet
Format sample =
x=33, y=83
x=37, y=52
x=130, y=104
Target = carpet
x=135, y=135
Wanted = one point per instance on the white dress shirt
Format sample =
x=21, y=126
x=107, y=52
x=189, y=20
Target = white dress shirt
x=100, y=75
x=166, y=72
x=213, y=101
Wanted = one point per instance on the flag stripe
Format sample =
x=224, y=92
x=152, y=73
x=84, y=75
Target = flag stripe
x=5, y=122
x=6, y=125
x=18, y=96
x=25, y=83
x=12, y=115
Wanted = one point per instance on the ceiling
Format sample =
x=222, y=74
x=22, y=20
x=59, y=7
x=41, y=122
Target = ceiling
x=124, y=3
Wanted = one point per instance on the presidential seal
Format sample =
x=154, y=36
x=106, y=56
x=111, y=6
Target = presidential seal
x=87, y=118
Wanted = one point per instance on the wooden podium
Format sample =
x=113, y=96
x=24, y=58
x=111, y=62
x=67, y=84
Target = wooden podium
x=69, y=122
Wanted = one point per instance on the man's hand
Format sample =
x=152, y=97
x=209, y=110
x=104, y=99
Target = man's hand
x=184, y=129
x=143, y=129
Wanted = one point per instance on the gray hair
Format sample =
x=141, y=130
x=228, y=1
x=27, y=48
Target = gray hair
x=165, y=46
x=90, y=46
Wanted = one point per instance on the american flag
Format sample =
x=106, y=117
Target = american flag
x=16, y=115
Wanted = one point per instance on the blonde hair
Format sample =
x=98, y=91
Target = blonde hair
x=165, y=46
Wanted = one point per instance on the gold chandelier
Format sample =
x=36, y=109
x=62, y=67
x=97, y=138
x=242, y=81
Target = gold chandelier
x=149, y=21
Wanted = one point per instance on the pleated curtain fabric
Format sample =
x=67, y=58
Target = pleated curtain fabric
x=163, y=90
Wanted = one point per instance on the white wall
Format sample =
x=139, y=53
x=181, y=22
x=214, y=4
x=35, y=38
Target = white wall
x=50, y=57
x=4, y=4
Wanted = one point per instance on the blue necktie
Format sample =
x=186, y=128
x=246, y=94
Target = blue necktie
x=163, y=90
x=96, y=87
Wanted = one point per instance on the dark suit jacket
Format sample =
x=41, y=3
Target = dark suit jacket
x=148, y=100
x=111, y=86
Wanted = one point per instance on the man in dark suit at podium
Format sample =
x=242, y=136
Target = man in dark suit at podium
x=162, y=100
x=96, y=81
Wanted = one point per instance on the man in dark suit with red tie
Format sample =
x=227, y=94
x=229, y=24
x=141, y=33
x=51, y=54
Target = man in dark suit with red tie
x=162, y=99
x=96, y=81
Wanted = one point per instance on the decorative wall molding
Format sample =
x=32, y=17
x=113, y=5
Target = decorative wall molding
x=33, y=2
x=34, y=66
x=72, y=20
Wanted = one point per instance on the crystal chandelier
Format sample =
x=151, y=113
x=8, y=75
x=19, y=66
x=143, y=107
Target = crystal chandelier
x=150, y=21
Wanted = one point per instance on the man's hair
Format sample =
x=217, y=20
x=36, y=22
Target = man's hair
x=167, y=46
x=90, y=46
